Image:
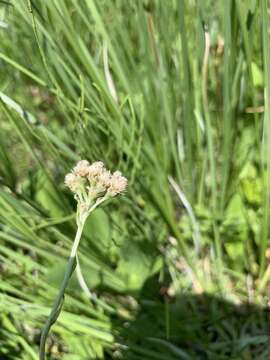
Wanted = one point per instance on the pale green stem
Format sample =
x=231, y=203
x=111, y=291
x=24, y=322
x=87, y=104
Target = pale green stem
x=87, y=291
x=82, y=281
x=60, y=298
x=71, y=265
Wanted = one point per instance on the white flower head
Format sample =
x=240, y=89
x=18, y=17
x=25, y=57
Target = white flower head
x=82, y=168
x=104, y=179
x=95, y=170
x=118, y=184
x=90, y=182
x=73, y=182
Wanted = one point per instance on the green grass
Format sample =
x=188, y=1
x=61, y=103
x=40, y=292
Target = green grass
x=174, y=94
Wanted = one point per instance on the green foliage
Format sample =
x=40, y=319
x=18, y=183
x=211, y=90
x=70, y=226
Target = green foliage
x=164, y=93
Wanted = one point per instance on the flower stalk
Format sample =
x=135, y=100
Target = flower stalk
x=91, y=185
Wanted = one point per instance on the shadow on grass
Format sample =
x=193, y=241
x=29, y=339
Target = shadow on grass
x=194, y=327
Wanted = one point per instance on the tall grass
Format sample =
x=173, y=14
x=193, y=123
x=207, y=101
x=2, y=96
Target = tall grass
x=175, y=94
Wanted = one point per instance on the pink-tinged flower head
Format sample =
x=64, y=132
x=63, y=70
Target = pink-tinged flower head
x=82, y=168
x=90, y=182
x=118, y=184
x=104, y=179
x=95, y=170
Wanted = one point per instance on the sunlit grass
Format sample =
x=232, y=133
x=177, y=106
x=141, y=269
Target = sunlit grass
x=175, y=94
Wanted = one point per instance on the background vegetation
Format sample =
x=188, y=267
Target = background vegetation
x=176, y=95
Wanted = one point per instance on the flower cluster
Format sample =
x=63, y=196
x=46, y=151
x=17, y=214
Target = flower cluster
x=90, y=182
